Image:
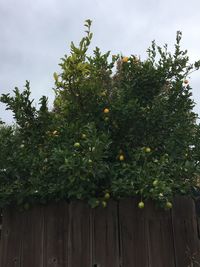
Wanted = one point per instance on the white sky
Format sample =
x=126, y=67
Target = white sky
x=34, y=35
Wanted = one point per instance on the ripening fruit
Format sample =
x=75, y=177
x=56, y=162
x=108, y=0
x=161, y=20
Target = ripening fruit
x=186, y=81
x=155, y=182
x=168, y=205
x=77, y=145
x=125, y=59
x=147, y=149
x=104, y=204
x=121, y=157
x=106, y=110
x=141, y=205
x=107, y=196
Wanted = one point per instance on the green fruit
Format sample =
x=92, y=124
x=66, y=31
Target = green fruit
x=84, y=136
x=77, y=145
x=168, y=205
x=141, y=205
x=107, y=196
x=104, y=204
x=155, y=182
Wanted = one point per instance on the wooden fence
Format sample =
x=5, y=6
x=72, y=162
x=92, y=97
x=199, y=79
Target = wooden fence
x=121, y=235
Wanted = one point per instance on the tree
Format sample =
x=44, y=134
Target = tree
x=120, y=127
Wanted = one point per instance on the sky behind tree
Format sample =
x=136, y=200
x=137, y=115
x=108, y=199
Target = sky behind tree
x=36, y=34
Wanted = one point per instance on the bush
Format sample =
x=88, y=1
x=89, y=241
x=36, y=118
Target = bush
x=119, y=127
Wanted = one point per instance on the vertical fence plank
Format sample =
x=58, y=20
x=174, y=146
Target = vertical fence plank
x=160, y=236
x=186, y=240
x=11, y=238
x=32, y=237
x=105, y=236
x=121, y=235
x=133, y=232
x=56, y=235
x=79, y=243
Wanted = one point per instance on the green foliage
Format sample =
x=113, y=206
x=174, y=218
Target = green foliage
x=119, y=127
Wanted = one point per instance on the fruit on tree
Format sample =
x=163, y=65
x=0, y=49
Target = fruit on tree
x=106, y=110
x=77, y=144
x=141, y=205
x=168, y=205
x=104, y=204
x=125, y=59
x=121, y=157
x=107, y=196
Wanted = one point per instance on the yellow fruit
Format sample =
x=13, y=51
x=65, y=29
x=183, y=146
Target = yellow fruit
x=125, y=59
x=104, y=204
x=147, y=149
x=107, y=196
x=168, y=205
x=141, y=205
x=106, y=110
x=121, y=157
x=77, y=145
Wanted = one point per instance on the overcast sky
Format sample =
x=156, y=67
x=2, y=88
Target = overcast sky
x=34, y=35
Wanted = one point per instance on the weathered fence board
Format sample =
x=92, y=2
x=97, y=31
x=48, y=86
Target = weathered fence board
x=31, y=242
x=11, y=239
x=160, y=236
x=79, y=243
x=133, y=235
x=121, y=235
x=186, y=241
x=105, y=236
x=56, y=235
